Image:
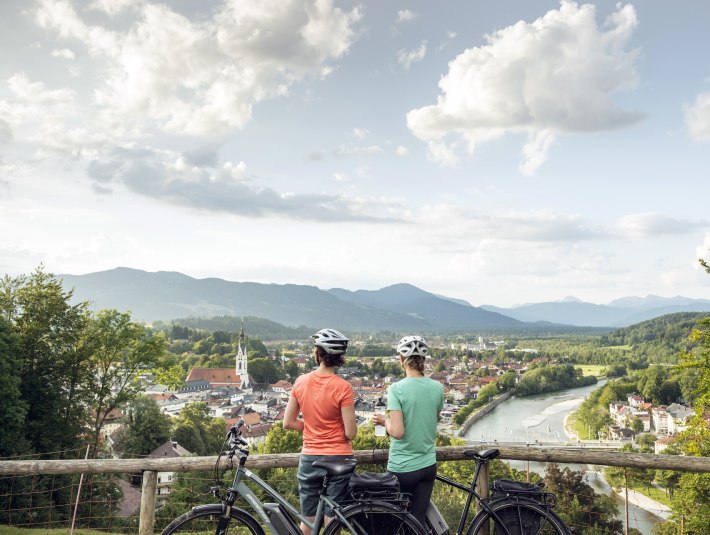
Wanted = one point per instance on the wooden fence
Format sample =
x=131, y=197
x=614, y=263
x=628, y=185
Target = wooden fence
x=151, y=467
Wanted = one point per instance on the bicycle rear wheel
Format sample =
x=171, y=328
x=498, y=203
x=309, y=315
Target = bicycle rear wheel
x=517, y=518
x=380, y=518
x=203, y=520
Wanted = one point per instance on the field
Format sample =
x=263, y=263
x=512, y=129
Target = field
x=597, y=370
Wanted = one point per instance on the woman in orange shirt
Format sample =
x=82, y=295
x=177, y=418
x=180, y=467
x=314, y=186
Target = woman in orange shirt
x=327, y=405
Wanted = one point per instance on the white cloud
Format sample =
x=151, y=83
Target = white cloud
x=450, y=36
x=113, y=7
x=401, y=151
x=515, y=226
x=654, y=224
x=350, y=150
x=204, y=76
x=535, y=151
x=697, y=118
x=63, y=53
x=340, y=177
x=442, y=153
x=173, y=179
x=407, y=57
x=405, y=15
x=361, y=133
x=703, y=250
x=555, y=74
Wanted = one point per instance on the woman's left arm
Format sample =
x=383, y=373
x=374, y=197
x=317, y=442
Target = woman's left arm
x=348, y=415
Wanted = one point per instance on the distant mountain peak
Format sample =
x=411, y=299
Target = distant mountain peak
x=570, y=299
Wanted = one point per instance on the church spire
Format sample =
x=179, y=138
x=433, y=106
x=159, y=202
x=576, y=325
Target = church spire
x=242, y=365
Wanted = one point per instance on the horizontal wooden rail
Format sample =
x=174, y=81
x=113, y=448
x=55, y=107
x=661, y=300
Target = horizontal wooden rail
x=376, y=456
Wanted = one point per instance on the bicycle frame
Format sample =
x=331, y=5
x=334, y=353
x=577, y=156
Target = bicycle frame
x=486, y=504
x=240, y=488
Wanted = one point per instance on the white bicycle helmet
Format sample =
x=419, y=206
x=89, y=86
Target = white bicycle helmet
x=412, y=346
x=332, y=341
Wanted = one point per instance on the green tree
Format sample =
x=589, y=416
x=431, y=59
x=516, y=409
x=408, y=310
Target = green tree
x=280, y=440
x=120, y=350
x=507, y=381
x=256, y=348
x=12, y=408
x=264, y=370
x=578, y=504
x=50, y=350
x=145, y=428
x=292, y=370
x=691, y=499
x=198, y=432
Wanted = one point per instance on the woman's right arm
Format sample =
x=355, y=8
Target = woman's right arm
x=291, y=420
x=395, y=424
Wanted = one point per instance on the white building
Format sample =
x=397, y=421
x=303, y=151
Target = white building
x=166, y=479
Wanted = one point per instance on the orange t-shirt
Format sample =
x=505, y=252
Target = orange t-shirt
x=320, y=397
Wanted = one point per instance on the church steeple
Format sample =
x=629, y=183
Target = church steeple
x=242, y=369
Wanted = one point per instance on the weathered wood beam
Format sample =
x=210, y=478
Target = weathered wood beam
x=601, y=457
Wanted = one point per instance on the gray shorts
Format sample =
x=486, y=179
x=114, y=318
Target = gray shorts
x=310, y=482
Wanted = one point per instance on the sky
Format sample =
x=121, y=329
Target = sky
x=497, y=151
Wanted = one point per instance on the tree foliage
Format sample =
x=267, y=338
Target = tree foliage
x=12, y=408
x=146, y=428
x=552, y=378
x=196, y=431
x=119, y=351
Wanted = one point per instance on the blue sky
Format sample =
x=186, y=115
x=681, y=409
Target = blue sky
x=496, y=151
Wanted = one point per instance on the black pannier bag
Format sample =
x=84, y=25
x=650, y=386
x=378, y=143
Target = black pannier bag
x=378, y=487
x=518, y=521
x=374, y=485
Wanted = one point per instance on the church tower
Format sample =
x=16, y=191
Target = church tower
x=242, y=370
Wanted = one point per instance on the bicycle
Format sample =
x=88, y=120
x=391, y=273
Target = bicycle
x=514, y=509
x=356, y=517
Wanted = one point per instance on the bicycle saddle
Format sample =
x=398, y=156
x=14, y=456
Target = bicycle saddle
x=337, y=468
x=485, y=455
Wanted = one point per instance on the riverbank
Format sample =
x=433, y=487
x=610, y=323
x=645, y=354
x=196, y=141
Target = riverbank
x=567, y=429
x=480, y=413
x=638, y=499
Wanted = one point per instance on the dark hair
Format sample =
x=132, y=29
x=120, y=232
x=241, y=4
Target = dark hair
x=416, y=362
x=329, y=360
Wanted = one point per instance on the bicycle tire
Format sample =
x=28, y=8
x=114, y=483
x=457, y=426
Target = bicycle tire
x=203, y=520
x=520, y=517
x=378, y=518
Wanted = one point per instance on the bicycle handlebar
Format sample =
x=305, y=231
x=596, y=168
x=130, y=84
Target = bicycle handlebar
x=234, y=435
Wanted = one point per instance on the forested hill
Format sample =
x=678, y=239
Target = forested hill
x=659, y=339
x=254, y=327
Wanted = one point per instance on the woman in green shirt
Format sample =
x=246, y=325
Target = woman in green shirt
x=413, y=406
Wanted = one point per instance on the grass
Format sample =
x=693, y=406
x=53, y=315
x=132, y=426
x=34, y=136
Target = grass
x=12, y=530
x=653, y=493
x=597, y=370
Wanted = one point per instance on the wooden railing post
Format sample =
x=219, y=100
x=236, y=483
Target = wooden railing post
x=483, y=491
x=147, y=517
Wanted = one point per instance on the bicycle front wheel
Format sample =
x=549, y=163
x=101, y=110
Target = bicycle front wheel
x=205, y=519
x=369, y=518
x=517, y=518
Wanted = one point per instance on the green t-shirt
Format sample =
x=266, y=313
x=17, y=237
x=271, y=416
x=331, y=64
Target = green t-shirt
x=420, y=399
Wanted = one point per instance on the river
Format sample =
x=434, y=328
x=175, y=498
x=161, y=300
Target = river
x=542, y=418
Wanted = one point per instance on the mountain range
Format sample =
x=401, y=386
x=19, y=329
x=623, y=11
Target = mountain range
x=167, y=295
x=618, y=313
